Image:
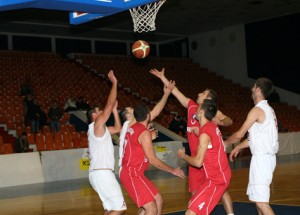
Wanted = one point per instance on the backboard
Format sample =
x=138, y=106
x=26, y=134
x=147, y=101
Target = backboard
x=85, y=10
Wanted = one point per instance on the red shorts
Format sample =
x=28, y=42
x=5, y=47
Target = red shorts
x=196, y=178
x=139, y=188
x=207, y=197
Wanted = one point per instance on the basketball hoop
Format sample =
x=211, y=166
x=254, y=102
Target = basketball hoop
x=144, y=16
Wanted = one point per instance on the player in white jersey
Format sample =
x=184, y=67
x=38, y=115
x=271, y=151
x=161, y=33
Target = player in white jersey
x=101, y=152
x=261, y=124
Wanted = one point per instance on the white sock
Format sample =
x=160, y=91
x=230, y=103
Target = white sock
x=230, y=214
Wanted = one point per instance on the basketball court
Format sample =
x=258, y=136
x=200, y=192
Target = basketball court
x=77, y=196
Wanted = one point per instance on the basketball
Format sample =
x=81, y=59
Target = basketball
x=140, y=49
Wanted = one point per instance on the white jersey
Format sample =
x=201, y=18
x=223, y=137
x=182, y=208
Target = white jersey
x=122, y=141
x=101, y=150
x=263, y=137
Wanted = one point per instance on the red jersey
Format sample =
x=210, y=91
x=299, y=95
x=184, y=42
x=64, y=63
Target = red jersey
x=134, y=156
x=192, y=122
x=196, y=175
x=134, y=164
x=215, y=163
x=217, y=171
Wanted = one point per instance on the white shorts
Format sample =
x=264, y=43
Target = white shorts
x=106, y=185
x=260, y=177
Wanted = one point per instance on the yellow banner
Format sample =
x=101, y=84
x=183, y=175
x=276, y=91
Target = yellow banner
x=84, y=164
x=161, y=148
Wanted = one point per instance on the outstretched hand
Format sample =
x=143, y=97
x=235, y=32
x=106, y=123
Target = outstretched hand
x=216, y=121
x=180, y=152
x=159, y=74
x=168, y=88
x=234, y=153
x=154, y=134
x=195, y=130
x=111, y=76
x=178, y=172
x=153, y=131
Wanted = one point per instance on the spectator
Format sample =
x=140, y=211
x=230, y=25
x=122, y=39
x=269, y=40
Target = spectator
x=33, y=116
x=21, y=144
x=82, y=104
x=43, y=116
x=54, y=113
x=28, y=102
x=70, y=104
x=178, y=125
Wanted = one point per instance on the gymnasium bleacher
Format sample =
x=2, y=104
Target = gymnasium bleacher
x=56, y=77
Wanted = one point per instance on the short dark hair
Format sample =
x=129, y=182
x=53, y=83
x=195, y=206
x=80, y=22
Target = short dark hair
x=212, y=95
x=140, y=112
x=123, y=113
x=210, y=108
x=265, y=85
x=90, y=111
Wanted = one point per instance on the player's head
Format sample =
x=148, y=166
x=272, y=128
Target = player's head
x=207, y=94
x=208, y=109
x=141, y=113
x=127, y=113
x=265, y=86
x=93, y=113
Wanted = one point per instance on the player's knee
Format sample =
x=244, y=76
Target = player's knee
x=115, y=213
x=189, y=212
x=151, y=208
x=159, y=200
x=261, y=205
x=121, y=212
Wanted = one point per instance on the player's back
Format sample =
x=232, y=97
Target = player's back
x=134, y=156
x=215, y=163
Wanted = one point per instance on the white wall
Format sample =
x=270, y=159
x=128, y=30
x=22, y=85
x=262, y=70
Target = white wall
x=21, y=169
x=223, y=51
x=47, y=166
x=61, y=165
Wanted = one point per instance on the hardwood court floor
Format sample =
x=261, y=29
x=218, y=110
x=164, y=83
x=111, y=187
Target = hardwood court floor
x=77, y=197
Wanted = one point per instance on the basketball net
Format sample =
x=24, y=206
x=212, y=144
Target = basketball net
x=144, y=16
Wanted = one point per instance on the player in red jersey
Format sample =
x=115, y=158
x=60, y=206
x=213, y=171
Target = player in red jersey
x=196, y=175
x=211, y=155
x=139, y=153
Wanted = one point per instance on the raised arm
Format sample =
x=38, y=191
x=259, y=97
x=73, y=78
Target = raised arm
x=117, y=126
x=222, y=120
x=111, y=100
x=180, y=97
x=161, y=104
